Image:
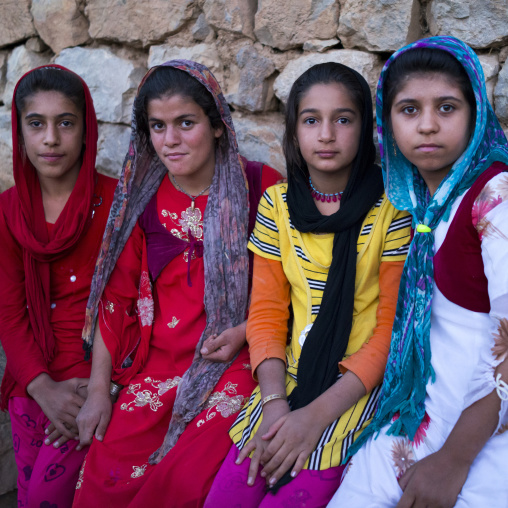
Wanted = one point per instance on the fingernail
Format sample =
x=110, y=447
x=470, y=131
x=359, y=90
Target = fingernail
x=272, y=481
x=263, y=474
x=204, y=351
x=46, y=441
x=237, y=462
x=250, y=480
x=99, y=438
x=46, y=432
x=56, y=444
x=293, y=474
x=76, y=438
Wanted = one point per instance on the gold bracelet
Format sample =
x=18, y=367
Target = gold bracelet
x=274, y=396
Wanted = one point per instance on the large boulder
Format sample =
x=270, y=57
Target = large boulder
x=260, y=138
x=15, y=22
x=4, y=57
x=112, y=147
x=112, y=80
x=375, y=25
x=501, y=95
x=203, y=53
x=60, y=23
x=20, y=61
x=367, y=64
x=479, y=24
x=252, y=89
x=137, y=22
x=235, y=16
x=285, y=24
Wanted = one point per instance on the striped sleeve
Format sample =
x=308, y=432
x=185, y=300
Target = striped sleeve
x=398, y=237
x=264, y=240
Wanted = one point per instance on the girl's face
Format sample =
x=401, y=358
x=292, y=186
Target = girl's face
x=430, y=119
x=328, y=129
x=183, y=138
x=53, y=136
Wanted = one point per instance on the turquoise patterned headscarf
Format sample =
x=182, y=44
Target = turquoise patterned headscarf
x=409, y=368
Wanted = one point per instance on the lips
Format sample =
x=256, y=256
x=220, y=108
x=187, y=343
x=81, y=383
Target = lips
x=325, y=154
x=428, y=147
x=174, y=156
x=51, y=157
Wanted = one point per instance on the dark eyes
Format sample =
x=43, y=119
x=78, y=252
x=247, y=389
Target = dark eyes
x=313, y=121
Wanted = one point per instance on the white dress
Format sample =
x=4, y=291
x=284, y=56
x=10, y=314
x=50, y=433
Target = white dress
x=466, y=348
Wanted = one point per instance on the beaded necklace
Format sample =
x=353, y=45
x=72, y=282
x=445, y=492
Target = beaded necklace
x=321, y=196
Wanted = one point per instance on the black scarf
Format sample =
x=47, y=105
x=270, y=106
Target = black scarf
x=328, y=338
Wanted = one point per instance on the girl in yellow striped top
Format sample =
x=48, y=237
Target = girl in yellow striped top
x=330, y=247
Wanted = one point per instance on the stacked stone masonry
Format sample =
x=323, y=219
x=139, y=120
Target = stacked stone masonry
x=256, y=48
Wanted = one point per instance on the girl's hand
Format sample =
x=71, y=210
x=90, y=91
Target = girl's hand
x=59, y=401
x=435, y=481
x=223, y=347
x=272, y=412
x=293, y=438
x=94, y=417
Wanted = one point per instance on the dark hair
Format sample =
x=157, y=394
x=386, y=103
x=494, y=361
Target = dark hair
x=50, y=79
x=320, y=74
x=420, y=61
x=166, y=82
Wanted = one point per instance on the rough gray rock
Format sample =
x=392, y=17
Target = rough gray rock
x=501, y=95
x=375, y=25
x=252, y=90
x=112, y=146
x=201, y=29
x=112, y=80
x=4, y=56
x=285, y=24
x=60, y=23
x=490, y=66
x=20, y=61
x=367, y=64
x=137, y=22
x=260, y=138
x=235, y=16
x=205, y=54
x=319, y=45
x=479, y=24
x=15, y=21
x=6, y=178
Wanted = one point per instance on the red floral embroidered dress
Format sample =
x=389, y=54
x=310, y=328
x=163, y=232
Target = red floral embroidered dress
x=116, y=471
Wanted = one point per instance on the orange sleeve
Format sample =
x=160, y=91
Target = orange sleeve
x=267, y=326
x=369, y=362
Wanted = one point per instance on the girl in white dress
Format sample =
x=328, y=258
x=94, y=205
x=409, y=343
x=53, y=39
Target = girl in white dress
x=439, y=435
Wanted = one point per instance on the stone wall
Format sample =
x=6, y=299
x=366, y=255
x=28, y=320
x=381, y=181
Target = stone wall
x=256, y=48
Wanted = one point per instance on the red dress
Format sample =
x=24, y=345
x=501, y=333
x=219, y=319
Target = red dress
x=116, y=471
x=70, y=278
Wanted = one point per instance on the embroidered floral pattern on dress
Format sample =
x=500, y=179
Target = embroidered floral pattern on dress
x=139, y=471
x=226, y=402
x=145, y=302
x=500, y=349
x=487, y=200
x=81, y=474
x=110, y=306
x=402, y=455
x=147, y=396
x=173, y=322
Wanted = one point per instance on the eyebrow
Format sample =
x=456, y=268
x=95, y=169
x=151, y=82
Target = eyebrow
x=38, y=115
x=181, y=117
x=439, y=99
x=338, y=110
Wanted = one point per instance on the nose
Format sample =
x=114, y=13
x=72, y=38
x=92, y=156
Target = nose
x=428, y=121
x=326, y=132
x=171, y=136
x=52, y=136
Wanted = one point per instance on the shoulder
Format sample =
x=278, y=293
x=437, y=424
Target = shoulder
x=105, y=187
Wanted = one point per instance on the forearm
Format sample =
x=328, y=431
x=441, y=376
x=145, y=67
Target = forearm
x=39, y=385
x=272, y=377
x=476, y=425
x=100, y=376
x=335, y=401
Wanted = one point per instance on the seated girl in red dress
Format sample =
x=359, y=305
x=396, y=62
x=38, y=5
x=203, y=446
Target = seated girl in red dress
x=51, y=227
x=171, y=293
